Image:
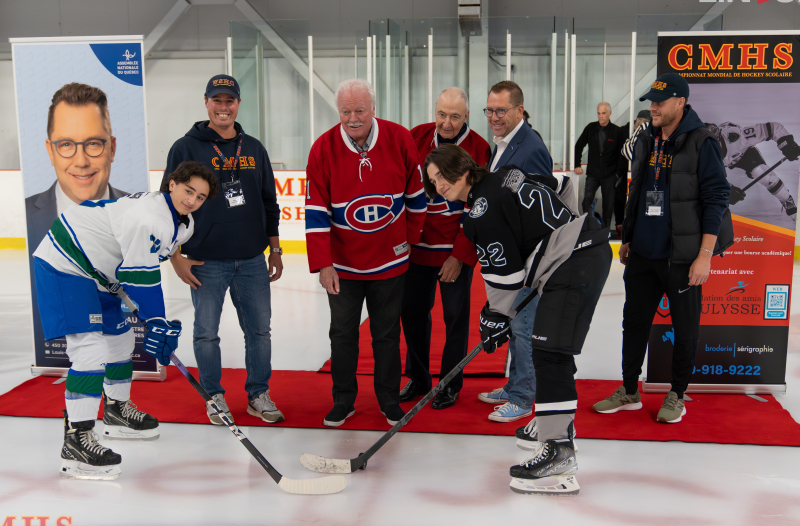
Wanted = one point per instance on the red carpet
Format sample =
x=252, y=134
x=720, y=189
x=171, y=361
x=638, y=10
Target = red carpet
x=727, y=419
x=483, y=365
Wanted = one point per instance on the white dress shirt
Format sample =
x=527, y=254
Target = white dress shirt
x=503, y=142
x=63, y=201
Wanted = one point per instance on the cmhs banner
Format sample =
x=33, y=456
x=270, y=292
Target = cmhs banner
x=41, y=67
x=744, y=85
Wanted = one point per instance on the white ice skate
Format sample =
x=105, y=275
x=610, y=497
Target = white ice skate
x=556, y=486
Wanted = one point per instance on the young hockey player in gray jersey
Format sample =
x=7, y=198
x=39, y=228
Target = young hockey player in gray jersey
x=527, y=236
x=739, y=150
x=92, y=250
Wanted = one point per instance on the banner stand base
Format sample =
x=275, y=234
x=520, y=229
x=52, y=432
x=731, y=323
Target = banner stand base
x=746, y=389
x=152, y=376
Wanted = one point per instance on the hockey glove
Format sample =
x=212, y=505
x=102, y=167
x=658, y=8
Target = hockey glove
x=161, y=339
x=495, y=329
x=789, y=148
x=736, y=195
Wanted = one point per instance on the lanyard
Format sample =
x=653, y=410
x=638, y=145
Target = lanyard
x=225, y=162
x=659, y=159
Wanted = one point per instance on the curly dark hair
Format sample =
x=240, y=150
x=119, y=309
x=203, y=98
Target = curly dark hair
x=453, y=162
x=188, y=169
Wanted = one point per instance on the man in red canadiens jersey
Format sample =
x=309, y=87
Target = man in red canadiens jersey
x=365, y=206
x=443, y=254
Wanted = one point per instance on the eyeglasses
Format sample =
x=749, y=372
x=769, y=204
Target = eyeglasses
x=66, y=148
x=500, y=113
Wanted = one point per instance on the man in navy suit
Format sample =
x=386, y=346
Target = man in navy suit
x=519, y=145
x=516, y=143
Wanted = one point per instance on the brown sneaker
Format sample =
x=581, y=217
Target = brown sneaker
x=619, y=401
x=672, y=410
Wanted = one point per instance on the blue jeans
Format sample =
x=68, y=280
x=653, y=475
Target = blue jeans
x=248, y=280
x=521, y=386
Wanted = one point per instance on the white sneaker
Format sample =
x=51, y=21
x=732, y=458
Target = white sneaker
x=264, y=408
x=219, y=399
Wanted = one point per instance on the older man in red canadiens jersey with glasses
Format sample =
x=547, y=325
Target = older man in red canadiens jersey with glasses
x=365, y=206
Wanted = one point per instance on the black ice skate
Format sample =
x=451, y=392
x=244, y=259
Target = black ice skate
x=83, y=457
x=123, y=421
x=790, y=207
x=550, y=472
x=528, y=437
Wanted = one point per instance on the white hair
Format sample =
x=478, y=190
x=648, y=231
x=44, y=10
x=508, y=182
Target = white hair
x=460, y=93
x=608, y=106
x=352, y=85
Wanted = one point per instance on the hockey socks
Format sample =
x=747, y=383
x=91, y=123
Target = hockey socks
x=123, y=421
x=83, y=457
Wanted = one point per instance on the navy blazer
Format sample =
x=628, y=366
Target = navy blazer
x=40, y=212
x=526, y=151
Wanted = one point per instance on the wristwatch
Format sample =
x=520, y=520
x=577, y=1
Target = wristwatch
x=276, y=250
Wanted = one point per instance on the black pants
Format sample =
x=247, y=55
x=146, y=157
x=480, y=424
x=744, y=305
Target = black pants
x=563, y=317
x=620, y=198
x=606, y=187
x=646, y=281
x=384, y=300
x=418, y=301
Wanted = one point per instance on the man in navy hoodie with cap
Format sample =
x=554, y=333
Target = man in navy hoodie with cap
x=676, y=220
x=227, y=249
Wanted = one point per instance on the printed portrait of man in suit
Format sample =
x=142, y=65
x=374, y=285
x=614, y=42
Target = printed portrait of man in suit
x=81, y=148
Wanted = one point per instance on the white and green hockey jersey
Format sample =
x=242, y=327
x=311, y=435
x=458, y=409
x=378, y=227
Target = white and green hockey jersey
x=119, y=242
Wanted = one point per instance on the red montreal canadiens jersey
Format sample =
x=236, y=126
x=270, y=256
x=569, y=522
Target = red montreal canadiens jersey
x=442, y=234
x=362, y=212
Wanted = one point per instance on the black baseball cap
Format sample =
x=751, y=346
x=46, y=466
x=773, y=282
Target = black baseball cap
x=667, y=86
x=223, y=84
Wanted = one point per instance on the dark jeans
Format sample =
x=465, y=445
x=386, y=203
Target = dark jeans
x=606, y=187
x=646, y=281
x=418, y=300
x=620, y=198
x=384, y=300
x=248, y=280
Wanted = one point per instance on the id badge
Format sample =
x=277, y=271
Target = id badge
x=234, y=195
x=655, y=203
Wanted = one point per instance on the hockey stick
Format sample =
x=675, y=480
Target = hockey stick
x=319, y=486
x=741, y=191
x=334, y=465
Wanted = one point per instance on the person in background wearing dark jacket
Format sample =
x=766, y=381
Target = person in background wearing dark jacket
x=605, y=162
x=677, y=219
x=231, y=233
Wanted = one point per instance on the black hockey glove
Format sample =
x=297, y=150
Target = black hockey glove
x=789, y=148
x=736, y=195
x=495, y=329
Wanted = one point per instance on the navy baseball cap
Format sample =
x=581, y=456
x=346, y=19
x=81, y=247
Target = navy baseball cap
x=667, y=86
x=223, y=84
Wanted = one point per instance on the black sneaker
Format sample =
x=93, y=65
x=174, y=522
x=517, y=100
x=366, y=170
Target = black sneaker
x=338, y=415
x=393, y=413
x=123, y=421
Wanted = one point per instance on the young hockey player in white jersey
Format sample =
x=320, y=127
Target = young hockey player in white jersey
x=527, y=236
x=92, y=249
x=739, y=150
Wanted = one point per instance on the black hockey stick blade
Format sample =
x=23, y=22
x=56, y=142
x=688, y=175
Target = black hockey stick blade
x=334, y=465
x=318, y=486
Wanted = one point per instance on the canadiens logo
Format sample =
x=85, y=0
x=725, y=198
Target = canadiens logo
x=438, y=207
x=370, y=213
x=479, y=208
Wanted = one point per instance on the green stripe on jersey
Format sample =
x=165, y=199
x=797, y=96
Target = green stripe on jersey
x=140, y=277
x=64, y=241
x=119, y=372
x=89, y=384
